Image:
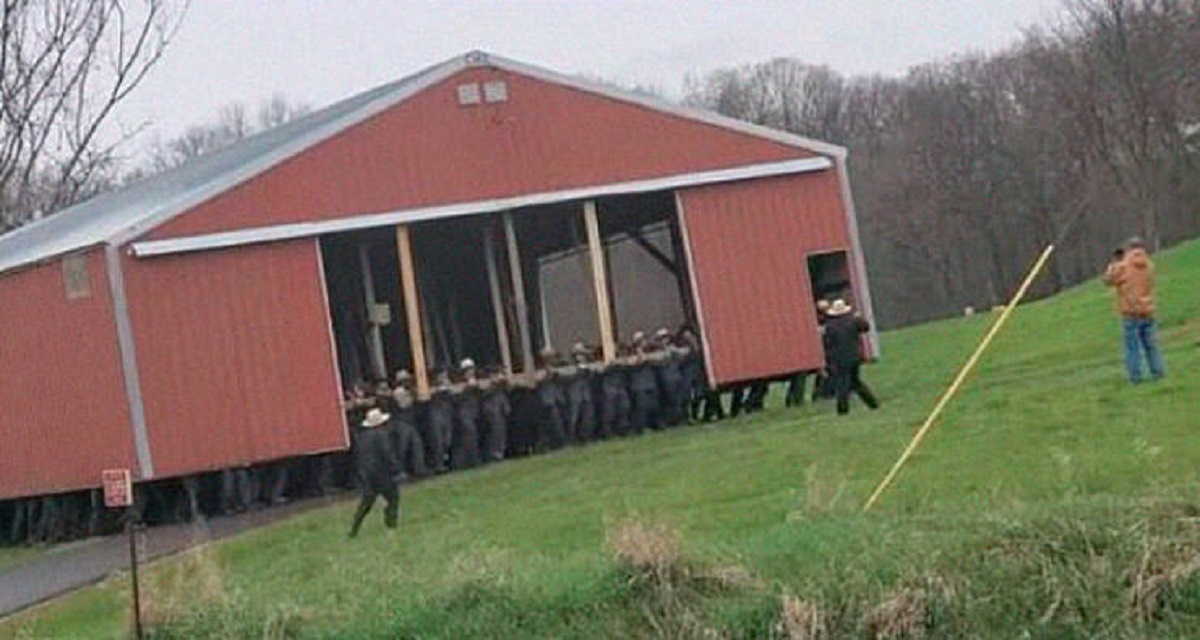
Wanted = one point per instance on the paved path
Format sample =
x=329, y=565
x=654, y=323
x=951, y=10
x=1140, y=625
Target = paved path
x=79, y=564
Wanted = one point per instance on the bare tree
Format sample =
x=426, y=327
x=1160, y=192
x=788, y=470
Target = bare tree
x=65, y=65
x=232, y=123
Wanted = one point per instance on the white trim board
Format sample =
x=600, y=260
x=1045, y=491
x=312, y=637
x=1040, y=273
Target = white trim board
x=294, y=231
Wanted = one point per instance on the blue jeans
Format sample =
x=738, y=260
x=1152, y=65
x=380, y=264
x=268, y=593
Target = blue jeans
x=1139, y=337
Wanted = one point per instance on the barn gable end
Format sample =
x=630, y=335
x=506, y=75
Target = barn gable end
x=430, y=150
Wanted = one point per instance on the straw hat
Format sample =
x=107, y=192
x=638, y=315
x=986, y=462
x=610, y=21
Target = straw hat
x=838, y=308
x=375, y=417
x=403, y=376
x=466, y=363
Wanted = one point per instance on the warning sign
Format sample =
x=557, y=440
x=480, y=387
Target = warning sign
x=118, y=487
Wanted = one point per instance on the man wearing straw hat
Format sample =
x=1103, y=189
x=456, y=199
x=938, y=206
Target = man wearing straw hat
x=377, y=467
x=842, y=339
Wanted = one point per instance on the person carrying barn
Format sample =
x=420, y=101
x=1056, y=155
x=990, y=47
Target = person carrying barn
x=691, y=367
x=464, y=442
x=643, y=387
x=843, y=331
x=406, y=435
x=615, y=405
x=552, y=402
x=439, y=421
x=581, y=409
x=796, y=384
x=377, y=470
x=1131, y=275
x=495, y=409
x=669, y=374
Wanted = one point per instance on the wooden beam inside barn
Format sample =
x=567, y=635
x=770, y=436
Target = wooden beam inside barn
x=599, y=281
x=412, y=308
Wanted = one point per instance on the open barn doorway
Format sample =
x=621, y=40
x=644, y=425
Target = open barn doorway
x=829, y=275
x=646, y=273
x=647, y=265
x=362, y=279
x=459, y=284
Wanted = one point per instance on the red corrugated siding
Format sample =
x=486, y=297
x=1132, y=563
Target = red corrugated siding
x=235, y=357
x=749, y=243
x=428, y=150
x=63, y=413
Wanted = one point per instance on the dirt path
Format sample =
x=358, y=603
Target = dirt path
x=79, y=564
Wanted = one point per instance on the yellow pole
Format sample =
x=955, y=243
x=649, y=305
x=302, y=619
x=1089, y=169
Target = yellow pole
x=962, y=376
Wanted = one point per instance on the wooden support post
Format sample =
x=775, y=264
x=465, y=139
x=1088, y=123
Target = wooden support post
x=518, y=284
x=489, y=254
x=608, y=345
x=374, y=335
x=412, y=309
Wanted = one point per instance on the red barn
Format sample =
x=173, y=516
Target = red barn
x=208, y=317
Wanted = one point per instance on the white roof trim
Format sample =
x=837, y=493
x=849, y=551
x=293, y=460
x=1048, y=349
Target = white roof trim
x=308, y=229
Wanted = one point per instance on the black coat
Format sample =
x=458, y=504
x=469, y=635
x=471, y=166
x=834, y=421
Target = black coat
x=842, y=340
x=377, y=463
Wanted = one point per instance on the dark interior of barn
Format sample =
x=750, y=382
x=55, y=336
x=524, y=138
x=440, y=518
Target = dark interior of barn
x=830, y=276
x=467, y=289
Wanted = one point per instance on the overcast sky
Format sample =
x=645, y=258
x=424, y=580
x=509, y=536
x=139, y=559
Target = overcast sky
x=319, y=51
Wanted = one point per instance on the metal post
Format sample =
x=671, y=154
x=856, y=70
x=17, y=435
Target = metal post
x=131, y=526
x=489, y=252
x=375, y=337
x=518, y=284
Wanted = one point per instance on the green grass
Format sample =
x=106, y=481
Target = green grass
x=12, y=556
x=1047, y=494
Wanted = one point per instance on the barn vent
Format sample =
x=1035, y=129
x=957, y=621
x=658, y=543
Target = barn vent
x=495, y=91
x=468, y=94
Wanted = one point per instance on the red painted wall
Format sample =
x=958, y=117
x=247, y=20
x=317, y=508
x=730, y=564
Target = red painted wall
x=749, y=244
x=428, y=150
x=63, y=413
x=235, y=356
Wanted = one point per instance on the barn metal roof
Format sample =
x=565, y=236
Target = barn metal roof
x=121, y=216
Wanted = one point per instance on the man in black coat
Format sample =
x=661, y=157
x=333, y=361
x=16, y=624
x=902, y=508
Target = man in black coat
x=615, y=405
x=495, y=409
x=377, y=470
x=464, y=441
x=406, y=435
x=581, y=409
x=439, y=422
x=842, y=333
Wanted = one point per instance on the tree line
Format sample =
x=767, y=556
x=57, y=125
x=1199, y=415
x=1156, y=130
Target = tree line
x=963, y=170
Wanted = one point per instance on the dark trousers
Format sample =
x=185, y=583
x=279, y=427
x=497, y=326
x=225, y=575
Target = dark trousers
x=846, y=381
x=795, y=390
x=713, y=409
x=391, y=508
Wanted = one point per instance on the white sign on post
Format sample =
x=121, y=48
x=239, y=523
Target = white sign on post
x=118, y=488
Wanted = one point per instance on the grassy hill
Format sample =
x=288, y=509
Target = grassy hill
x=1053, y=500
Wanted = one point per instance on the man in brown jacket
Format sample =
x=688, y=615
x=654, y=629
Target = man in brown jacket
x=1131, y=274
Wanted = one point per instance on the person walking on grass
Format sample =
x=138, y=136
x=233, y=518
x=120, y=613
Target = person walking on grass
x=1131, y=275
x=842, y=333
x=377, y=468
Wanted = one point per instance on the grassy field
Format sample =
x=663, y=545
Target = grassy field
x=1053, y=500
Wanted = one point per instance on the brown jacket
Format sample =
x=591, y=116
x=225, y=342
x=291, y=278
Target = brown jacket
x=1133, y=280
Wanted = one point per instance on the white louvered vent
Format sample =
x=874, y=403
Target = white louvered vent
x=468, y=94
x=495, y=91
